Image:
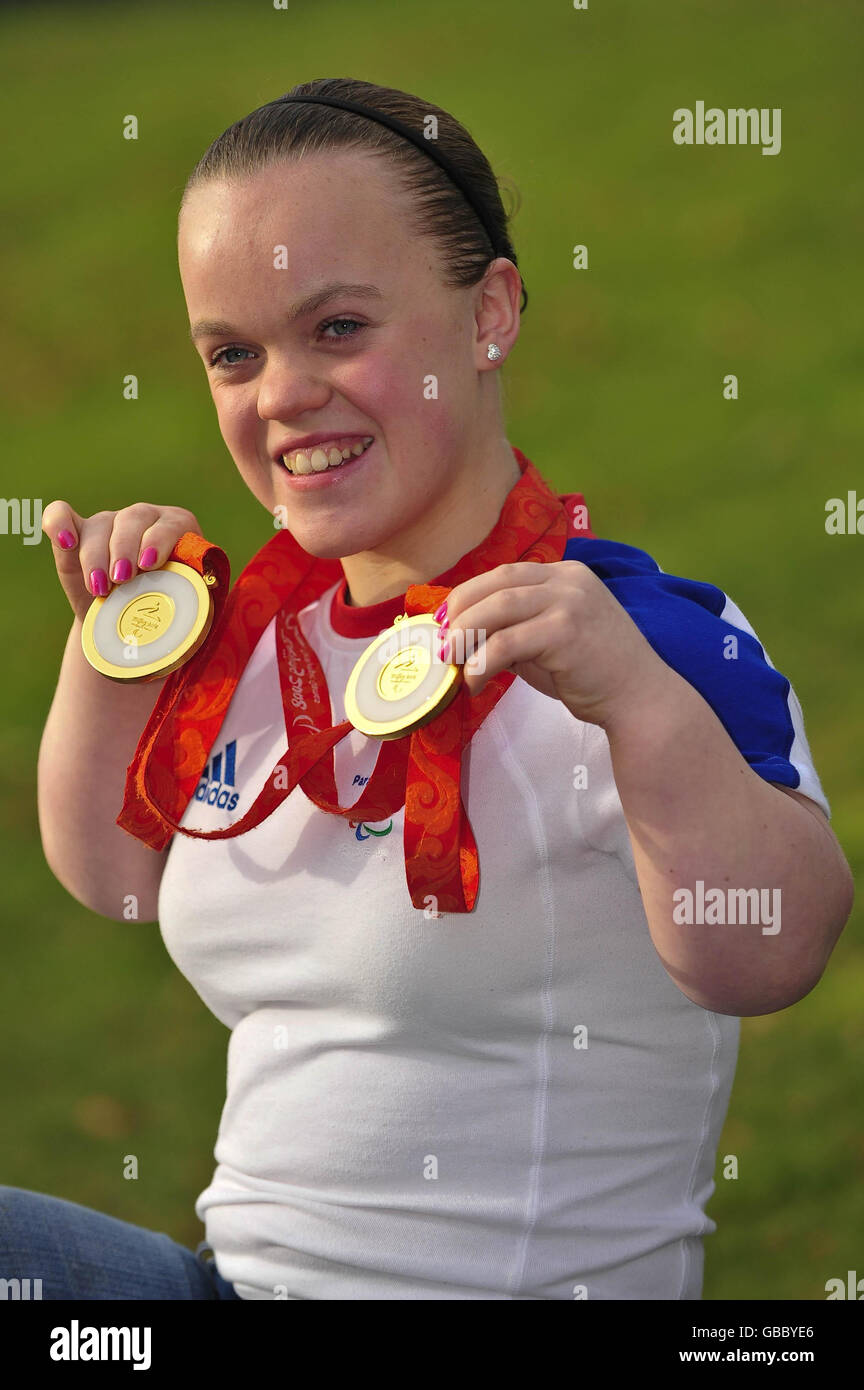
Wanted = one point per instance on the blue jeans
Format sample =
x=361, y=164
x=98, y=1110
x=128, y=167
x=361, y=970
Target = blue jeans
x=80, y=1253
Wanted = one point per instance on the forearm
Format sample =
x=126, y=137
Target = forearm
x=698, y=814
x=90, y=736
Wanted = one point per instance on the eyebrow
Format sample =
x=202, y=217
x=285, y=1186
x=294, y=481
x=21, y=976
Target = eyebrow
x=206, y=328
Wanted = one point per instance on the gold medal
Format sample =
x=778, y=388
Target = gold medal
x=400, y=683
x=150, y=625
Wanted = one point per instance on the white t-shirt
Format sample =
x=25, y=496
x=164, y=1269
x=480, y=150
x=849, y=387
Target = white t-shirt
x=511, y=1103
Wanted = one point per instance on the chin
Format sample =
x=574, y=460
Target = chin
x=323, y=551
x=351, y=539
x=327, y=548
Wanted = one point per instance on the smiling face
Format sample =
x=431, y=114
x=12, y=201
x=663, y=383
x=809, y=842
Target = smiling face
x=354, y=365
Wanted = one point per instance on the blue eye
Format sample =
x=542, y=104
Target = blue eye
x=220, y=358
x=356, y=322
x=217, y=357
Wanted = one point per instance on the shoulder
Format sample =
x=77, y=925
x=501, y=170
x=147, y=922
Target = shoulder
x=614, y=561
x=693, y=625
x=703, y=635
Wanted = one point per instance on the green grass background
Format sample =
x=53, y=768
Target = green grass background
x=702, y=261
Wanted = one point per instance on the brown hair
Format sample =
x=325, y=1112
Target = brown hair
x=284, y=129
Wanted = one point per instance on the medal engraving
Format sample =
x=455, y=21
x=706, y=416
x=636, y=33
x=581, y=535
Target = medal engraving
x=146, y=618
x=404, y=672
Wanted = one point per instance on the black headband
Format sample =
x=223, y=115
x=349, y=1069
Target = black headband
x=427, y=146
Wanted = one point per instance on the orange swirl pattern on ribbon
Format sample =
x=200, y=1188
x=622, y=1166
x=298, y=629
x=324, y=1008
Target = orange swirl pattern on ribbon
x=441, y=855
x=421, y=771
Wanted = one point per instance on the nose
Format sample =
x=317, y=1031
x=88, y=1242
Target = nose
x=286, y=389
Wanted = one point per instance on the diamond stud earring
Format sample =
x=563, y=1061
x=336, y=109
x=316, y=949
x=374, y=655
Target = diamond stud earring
x=493, y=352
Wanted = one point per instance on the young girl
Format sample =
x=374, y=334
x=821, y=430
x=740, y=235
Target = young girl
x=483, y=1032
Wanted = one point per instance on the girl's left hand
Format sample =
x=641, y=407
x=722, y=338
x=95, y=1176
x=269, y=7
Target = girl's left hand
x=559, y=628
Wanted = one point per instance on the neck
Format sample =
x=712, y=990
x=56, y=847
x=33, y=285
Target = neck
x=457, y=522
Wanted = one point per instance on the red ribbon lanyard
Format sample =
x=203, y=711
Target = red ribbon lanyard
x=421, y=771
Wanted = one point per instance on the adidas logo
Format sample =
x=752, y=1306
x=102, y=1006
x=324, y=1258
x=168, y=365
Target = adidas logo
x=215, y=788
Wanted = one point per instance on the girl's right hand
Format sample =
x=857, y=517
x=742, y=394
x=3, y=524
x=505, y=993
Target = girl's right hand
x=93, y=554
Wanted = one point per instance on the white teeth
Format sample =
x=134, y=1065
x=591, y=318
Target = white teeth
x=318, y=460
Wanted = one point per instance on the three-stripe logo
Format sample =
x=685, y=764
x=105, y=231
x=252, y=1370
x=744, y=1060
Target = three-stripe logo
x=216, y=787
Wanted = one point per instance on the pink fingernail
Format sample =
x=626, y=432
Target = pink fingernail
x=147, y=558
x=98, y=583
x=121, y=571
x=443, y=648
x=66, y=539
x=440, y=612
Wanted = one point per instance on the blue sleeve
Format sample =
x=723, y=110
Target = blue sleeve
x=701, y=634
